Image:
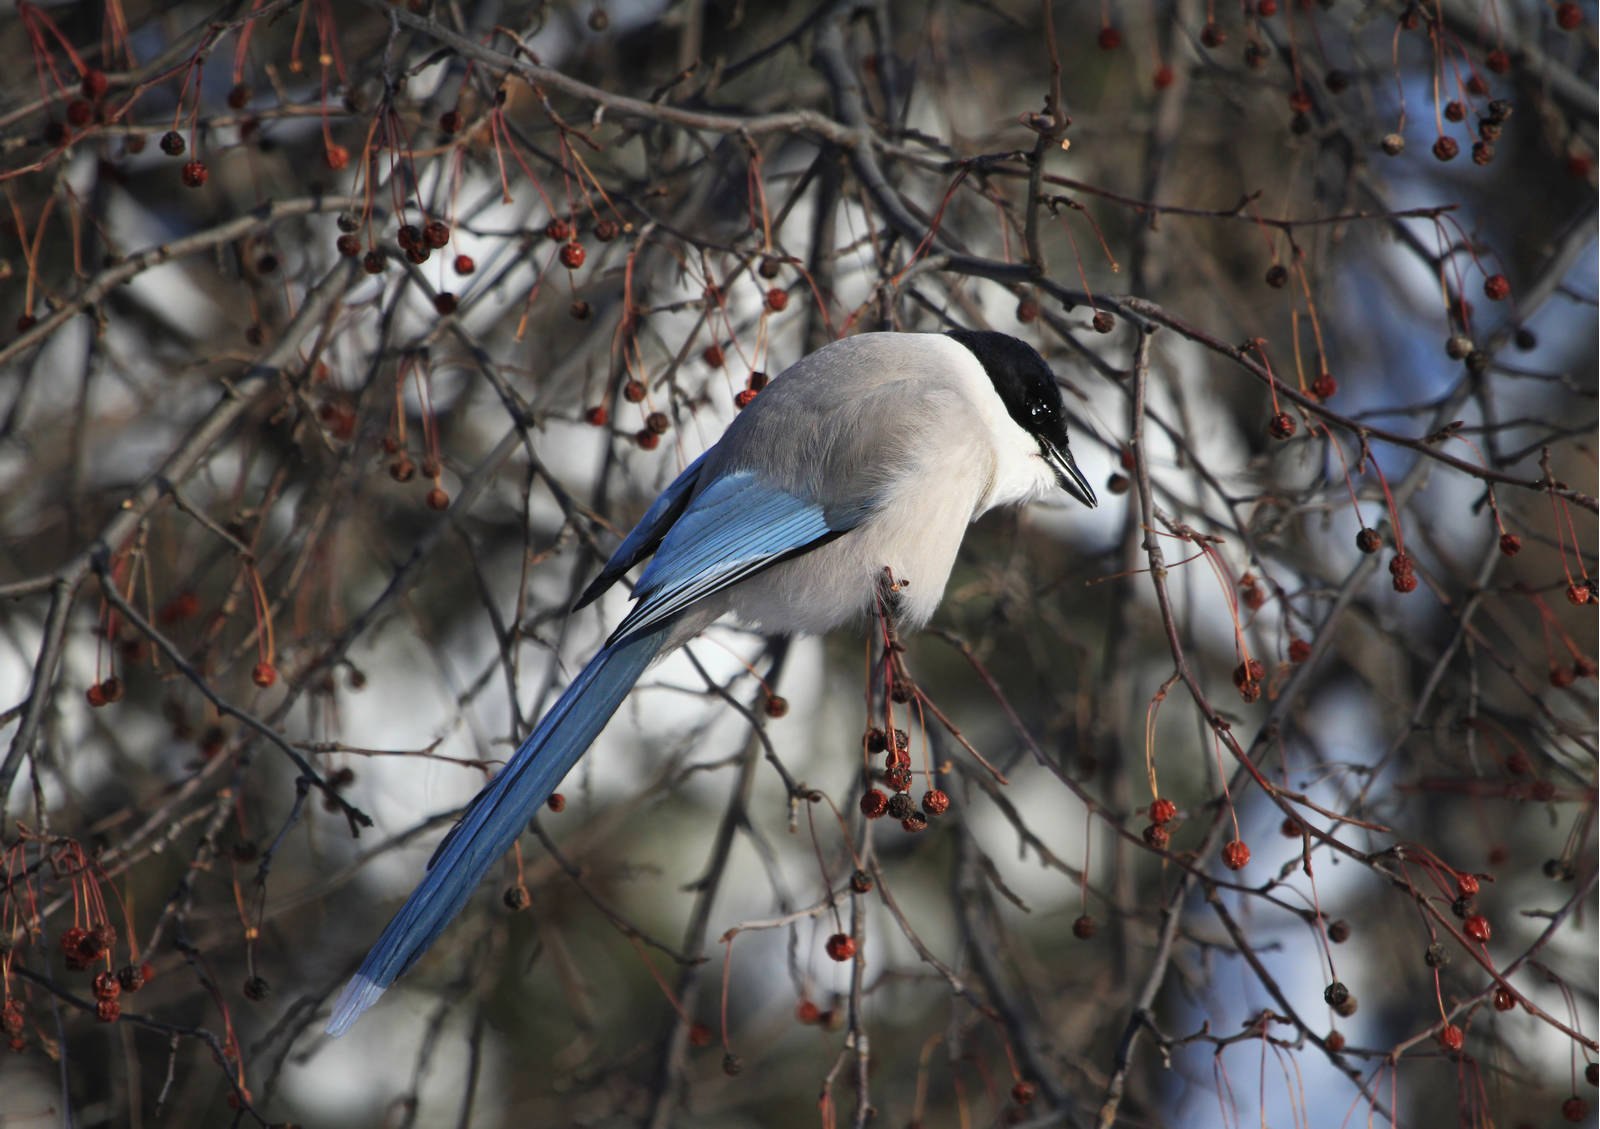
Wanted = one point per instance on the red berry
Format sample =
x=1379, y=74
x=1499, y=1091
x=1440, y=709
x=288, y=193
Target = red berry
x=559, y=230
x=436, y=233
x=195, y=174
x=1084, y=927
x=1498, y=61
x=1574, y=1109
x=557, y=802
x=1110, y=38
x=1405, y=583
x=437, y=499
x=349, y=246
x=572, y=255
x=1213, y=36
x=1299, y=650
x=1446, y=149
x=108, y=1011
x=874, y=803
x=1282, y=426
x=445, y=303
x=95, y=695
x=744, y=398
x=713, y=356
x=1022, y=1093
x=633, y=391
x=646, y=439
x=1250, y=670
x=239, y=96
x=1300, y=101
x=1476, y=926
x=1569, y=17
x=1496, y=287
x=1504, y=1000
x=606, y=230
x=1451, y=1038
x=1266, y=9
x=1103, y=322
x=94, y=84
x=112, y=689
x=1369, y=541
x=699, y=1035
x=450, y=121
x=465, y=265
x=1162, y=811
x=1510, y=544
x=1163, y=77
x=1235, y=855
x=1578, y=594
x=841, y=947
x=1334, y=1042
x=597, y=416
x=1157, y=836
x=1467, y=885
x=935, y=801
x=336, y=157
x=807, y=1012
x=777, y=300
x=264, y=674
x=1027, y=310
x=1324, y=386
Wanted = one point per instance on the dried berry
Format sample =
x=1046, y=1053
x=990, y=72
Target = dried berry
x=1235, y=855
x=1103, y=322
x=1496, y=287
x=1451, y=1037
x=1446, y=149
x=195, y=174
x=874, y=803
x=1277, y=276
x=1162, y=811
x=1339, y=931
x=172, y=143
x=935, y=801
x=1084, y=927
x=1282, y=426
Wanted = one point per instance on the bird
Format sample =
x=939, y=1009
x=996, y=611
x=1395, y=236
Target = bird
x=867, y=458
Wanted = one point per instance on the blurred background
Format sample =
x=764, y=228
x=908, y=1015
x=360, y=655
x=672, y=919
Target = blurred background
x=341, y=342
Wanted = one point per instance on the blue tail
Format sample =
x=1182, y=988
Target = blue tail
x=496, y=816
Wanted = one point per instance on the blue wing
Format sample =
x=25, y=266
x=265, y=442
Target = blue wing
x=646, y=536
x=734, y=528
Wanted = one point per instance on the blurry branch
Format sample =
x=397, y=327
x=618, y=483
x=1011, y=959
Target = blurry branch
x=238, y=398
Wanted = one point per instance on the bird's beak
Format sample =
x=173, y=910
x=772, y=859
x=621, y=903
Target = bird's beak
x=1068, y=474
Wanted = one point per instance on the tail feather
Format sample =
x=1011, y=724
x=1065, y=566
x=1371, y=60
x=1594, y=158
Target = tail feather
x=496, y=817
